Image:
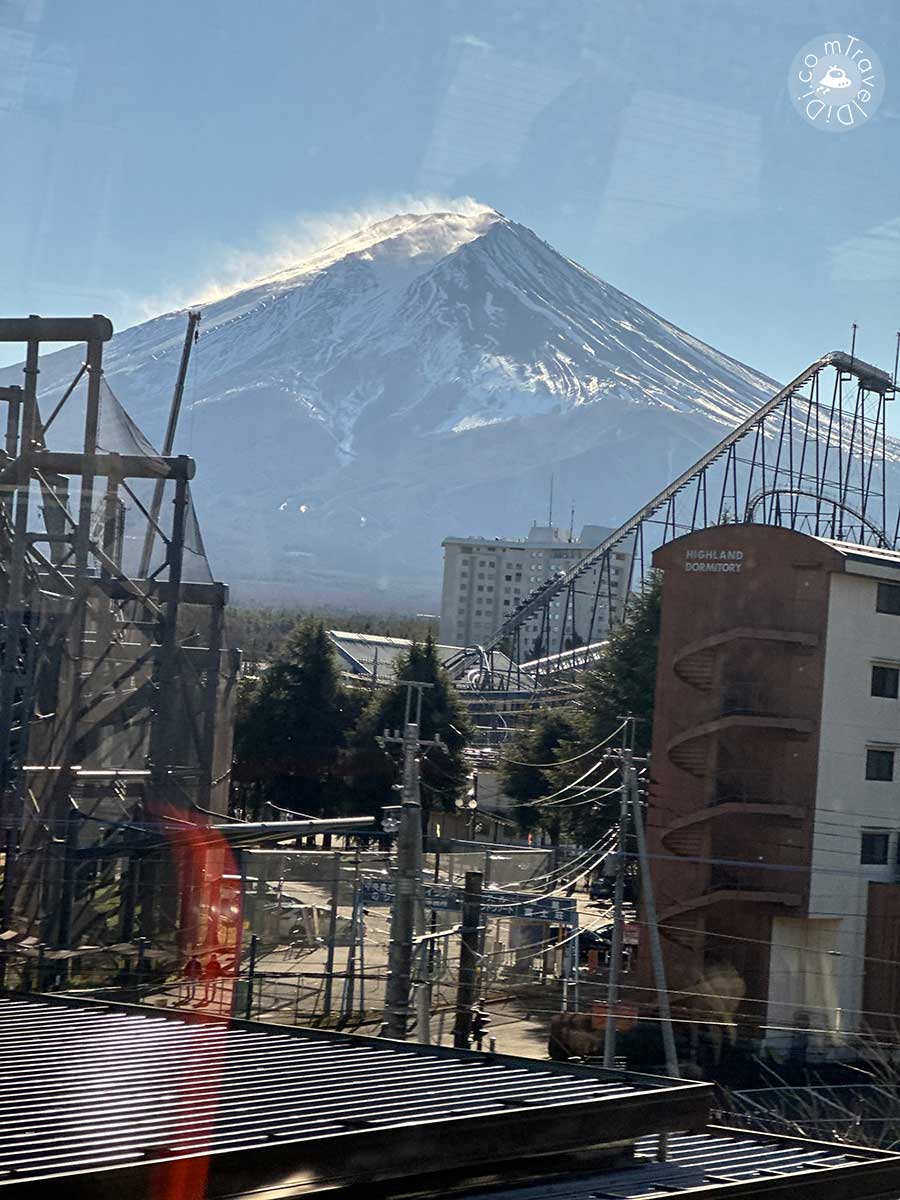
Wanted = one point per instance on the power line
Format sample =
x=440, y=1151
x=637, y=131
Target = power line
x=557, y=871
x=548, y=895
x=761, y=864
x=774, y=1027
x=738, y=1000
x=736, y=937
x=883, y=820
x=562, y=762
x=545, y=801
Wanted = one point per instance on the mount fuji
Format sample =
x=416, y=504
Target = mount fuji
x=421, y=378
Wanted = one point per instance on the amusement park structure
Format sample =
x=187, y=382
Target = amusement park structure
x=816, y=457
x=115, y=683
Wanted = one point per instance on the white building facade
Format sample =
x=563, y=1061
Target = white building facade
x=486, y=579
x=836, y=964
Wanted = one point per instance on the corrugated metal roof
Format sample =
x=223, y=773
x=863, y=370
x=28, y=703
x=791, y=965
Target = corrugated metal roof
x=363, y=651
x=714, y=1159
x=89, y=1087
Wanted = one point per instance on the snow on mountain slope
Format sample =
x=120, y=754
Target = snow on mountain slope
x=420, y=378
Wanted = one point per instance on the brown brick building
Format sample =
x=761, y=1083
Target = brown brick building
x=774, y=807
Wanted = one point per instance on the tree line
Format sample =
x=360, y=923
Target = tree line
x=261, y=631
x=555, y=750
x=306, y=743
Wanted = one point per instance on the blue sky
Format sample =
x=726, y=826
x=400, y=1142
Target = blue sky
x=150, y=149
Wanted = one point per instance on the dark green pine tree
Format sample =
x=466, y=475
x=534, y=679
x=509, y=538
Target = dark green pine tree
x=624, y=680
x=292, y=729
x=623, y=683
x=526, y=783
x=443, y=774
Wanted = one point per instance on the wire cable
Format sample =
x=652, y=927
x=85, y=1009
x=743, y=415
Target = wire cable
x=562, y=762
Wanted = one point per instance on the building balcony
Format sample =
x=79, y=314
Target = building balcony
x=684, y=835
x=737, y=887
x=695, y=663
x=736, y=785
x=752, y=877
x=689, y=750
x=735, y=794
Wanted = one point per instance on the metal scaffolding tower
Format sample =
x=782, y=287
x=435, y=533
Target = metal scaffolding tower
x=114, y=681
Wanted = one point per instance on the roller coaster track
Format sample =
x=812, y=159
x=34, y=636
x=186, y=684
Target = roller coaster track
x=759, y=500
x=825, y=473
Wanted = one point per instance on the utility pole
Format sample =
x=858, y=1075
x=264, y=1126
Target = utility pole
x=468, y=960
x=423, y=994
x=630, y=808
x=615, y=951
x=656, y=956
x=408, y=877
x=348, y=995
x=10, y=786
x=360, y=930
x=332, y=933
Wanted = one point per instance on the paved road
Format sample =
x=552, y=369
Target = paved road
x=292, y=988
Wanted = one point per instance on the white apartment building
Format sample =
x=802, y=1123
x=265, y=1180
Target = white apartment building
x=842, y=958
x=485, y=579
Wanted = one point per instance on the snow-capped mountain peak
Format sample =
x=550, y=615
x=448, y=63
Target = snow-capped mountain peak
x=415, y=239
x=420, y=377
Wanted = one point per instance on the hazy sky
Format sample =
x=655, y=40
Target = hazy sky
x=152, y=148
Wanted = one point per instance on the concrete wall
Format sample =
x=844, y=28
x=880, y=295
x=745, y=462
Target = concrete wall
x=804, y=975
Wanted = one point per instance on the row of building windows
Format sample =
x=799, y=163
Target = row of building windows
x=481, y=576
x=885, y=684
x=465, y=563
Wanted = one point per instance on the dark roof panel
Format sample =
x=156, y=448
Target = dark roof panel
x=89, y=1087
x=718, y=1160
